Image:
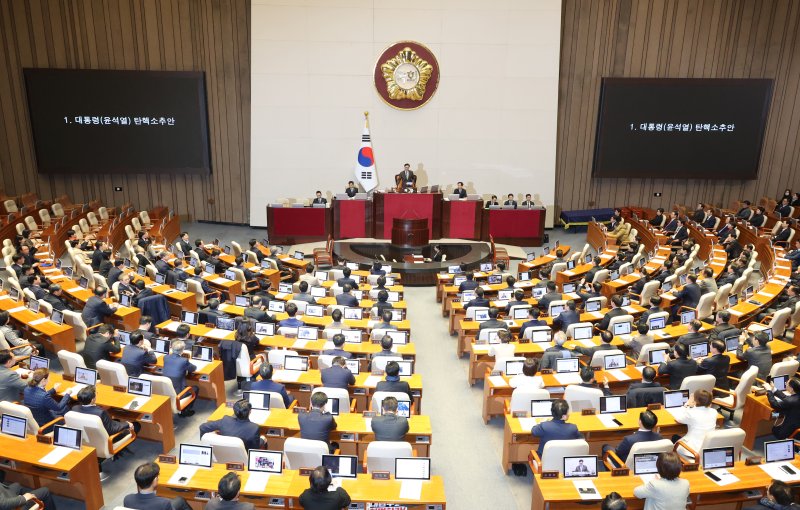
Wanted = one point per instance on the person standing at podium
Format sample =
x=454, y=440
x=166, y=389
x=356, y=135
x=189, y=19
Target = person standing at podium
x=406, y=180
x=351, y=189
x=320, y=199
x=460, y=191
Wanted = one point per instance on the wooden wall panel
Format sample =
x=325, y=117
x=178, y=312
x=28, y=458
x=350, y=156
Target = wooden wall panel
x=165, y=35
x=675, y=39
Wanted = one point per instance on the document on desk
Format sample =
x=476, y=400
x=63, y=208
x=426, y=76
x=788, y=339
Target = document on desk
x=372, y=381
x=172, y=326
x=183, y=475
x=55, y=455
x=586, y=489
x=300, y=344
x=17, y=309
x=501, y=303
x=647, y=478
x=256, y=482
x=725, y=477
x=568, y=378
x=411, y=489
x=282, y=295
x=259, y=416
x=57, y=278
x=498, y=381
x=38, y=321
x=217, y=333
x=480, y=348
x=619, y=374
x=608, y=421
x=137, y=402
x=586, y=343
x=223, y=306
x=596, y=315
x=629, y=309
x=287, y=375
x=776, y=471
x=527, y=423
x=220, y=280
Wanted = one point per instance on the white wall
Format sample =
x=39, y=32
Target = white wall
x=491, y=124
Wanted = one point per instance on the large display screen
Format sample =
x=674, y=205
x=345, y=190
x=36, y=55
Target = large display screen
x=681, y=128
x=97, y=122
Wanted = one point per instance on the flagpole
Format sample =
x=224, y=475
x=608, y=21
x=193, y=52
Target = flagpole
x=375, y=163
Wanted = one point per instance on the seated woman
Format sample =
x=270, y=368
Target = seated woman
x=699, y=419
x=667, y=492
x=40, y=401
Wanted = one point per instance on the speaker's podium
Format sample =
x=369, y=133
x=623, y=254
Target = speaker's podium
x=410, y=233
x=425, y=207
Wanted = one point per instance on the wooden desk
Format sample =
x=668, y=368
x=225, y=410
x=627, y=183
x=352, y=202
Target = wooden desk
x=353, y=432
x=757, y=419
x=76, y=476
x=297, y=225
x=518, y=227
x=155, y=415
x=283, y=491
x=54, y=337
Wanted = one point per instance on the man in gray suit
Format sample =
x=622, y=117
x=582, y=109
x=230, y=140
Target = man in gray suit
x=338, y=375
x=228, y=494
x=558, y=351
x=303, y=295
x=389, y=426
x=759, y=354
x=317, y=424
x=10, y=384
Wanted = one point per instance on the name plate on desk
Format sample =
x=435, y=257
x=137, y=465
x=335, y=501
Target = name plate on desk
x=306, y=471
x=67, y=377
x=369, y=414
x=624, y=471
x=168, y=459
x=377, y=371
x=690, y=467
x=234, y=466
x=549, y=474
x=495, y=373
x=122, y=389
x=524, y=340
x=519, y=414
x=381, y=475
x=653, y=407
x=752, y=461
x=299, y=410
x=588, y=412
x=546, y=371
x=40, y=438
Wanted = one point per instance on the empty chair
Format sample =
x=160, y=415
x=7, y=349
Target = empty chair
x=10, y=206
x=95, y=435
x=225, y=448
x=111, y=373
x=75, y=320
x=599, y=356
x=236, y=248
x=381, y=455
x=303, y=453
x=788, y=367
x=600, y=276
x=163, y=386
x=70, y=361
x=58, y=210
x=521, y=398
x=103, y=212
x=278, y=356
x=649, y=290
x=554, y=452
x=721, y=300
x=580, y=397
x=778, y=321
x=145, y=219
x=698, y=382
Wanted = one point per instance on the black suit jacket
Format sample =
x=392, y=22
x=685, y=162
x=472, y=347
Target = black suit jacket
x=615, y=312
x=628, y=441
x=221, y=504
x=717, y=365
x=690, y=294
x=678, y=370
x=462, y=193
x=680, y=234
x=789, y=407
x=139, y=501
x=316, y=425
x=398, y=386
x=95, y=311
x=111, y=426
x=185, y=247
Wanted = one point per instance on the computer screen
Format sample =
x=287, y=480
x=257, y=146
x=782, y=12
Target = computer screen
x=626, y=300
x=698, y=350
x=645, y=463
x=35, y=362
x=682, y=279
x=353, y=365
x=494, y=279
x=666, y=286
x=83, y=282
x=124, y=337
x=403, y=408
x=780, y=382
x=321, y=275
x=265, y=461
x=257, y=399
x=67, y=437
x=13, y=425
x=514, y=367
x=332, y=406
x=467, y=296
x=675, y=398
x=307, y=333
x=521, y=313
x=613, y=361
x=524, y=276
x=315, y=310
x=779, y=451
x=493, y=337
x=657, y=356
x=202, y=353
x=285, y=288
x=582, y=332
x=181, y=286
x=226, y=323
x=567, y=365
x=241, y=300
x=657, y=323
x=732, y=343
x=85, y=376
x=141, y=271
x=622, y=328
x=570, y=266
x=732, y=300
x=406, y=367
x=538, y=292
x=194, y=455
x=486, y=267
x=341, y=466
x=397, y=314
x=295, y=363
x=229, y=274
x=265, y=328
x=318, y=292
x=687, y=316
x=541, y=408
x=189, y=318
x=541, y=335
x=299, y=255
x=33, y=305
x=530, y=256
x=412, y=468
x=613, y=404
x=162, y=345
x=580, y=467
x=393, y=296
x=58, y=317
x=398, y=337
x=141, y=387
x=124, y=300
x=458, y=280
x=714, y=458
x=556, y=310
x=453, y=269
x=593, y=305
x=481, y=315
x=568, y=288
x=352, y=313
x=504, y=295
x=275, y=305
x=161, y=278
x=614, y=275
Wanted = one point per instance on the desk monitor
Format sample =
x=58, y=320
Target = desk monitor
x=353, y=365
x=732, y=343
x=189, y=318
x=748, y=292
x=358, y=294
x=353, y=267
x=453, y=269
x=265, y=264
x=141, y=271
x=682, y=279
x=85, y=376
x=299, y=255
x=775, y=451
x=584, y=466
x=226, y=323
x=582, y=332
x=514, y=367
x=780, y=382
x=194, y=455
x=83, y=282
x=315, y=310
x=524, y=276
x=57, y=317
x=613, y=361
x=161, y=278
x=613, y=404
x=265, y=328
x=657, y=323
x=68, y=271
x=556, y=310
x=624, y=271
x=622, y=328
x=258, y=399
x=568, y=288
x=541, y=335
x=352, y=313
x=352, y=336
x=296, y=363
x=486, y=267
x=538, y=292
x=494, y=279
x=542, y=408
x=666, y=286
x=318, y=292
x=389, y=280
x=698, y=350
x=226, y=249
x=126, y=262
x=406, y=367
x=162, y=345
x=321, y=276
x=332, y=406
x=715, y=458
x=403, y=408
x=33, y=305
x=645, y=463
x=341, y=466
x=567, y=365
x=521, y=313
x=141, y=387
x=545, y=251
x=614, y=275
x=276, y=305
x=530, y=256
x=242, y=300
x=13, y=425
x=687, y=316
x=397, y=314
x=481, y=315
x=458, y=280
x=307, y=333
x=733, y=300
x=412, y=468
x=505, y=294
x=124, y=300
x=593, y=305
x=675, y=398
x=124, y=337
x=588, y=258
x=229, y=274
x=570, y=265
x=285, y=288
x=493, y=337
x=181, y=286
x=398, y=337
x=208, y=267
x=767, y=331
x=202, y=353
x=393, y=296
x=67, y=437
x=657, y=356
x=386, y=268
x=265, y=461
x=626, y=300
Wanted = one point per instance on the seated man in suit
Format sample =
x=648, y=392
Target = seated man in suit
x=228, y=494
x=100, y=345
x=759, y=219
x=16, y=496
x=533, y=322
x=510, y=202
x=558, y=351
x=392, y=381
x=779, y=497
x=303, y=295
x=784, y=208
x=162, y=266
x=199, y=248
x=528, y=202
x=337, y=375
x=351, y=189
x=176, y=368
x=319, y=199
x=616, y=311
x=491, y=202
x=212, y=311
x=146, y=476
x=238, y=425
x=708, y=284
x=87, y=404
x=648, y=431
x=316, y=424
x=722, y=327
x=744, y=212
x=680, y=235
x=338, y=348
x=568, y=317
x=406, y=180
x=693, y=336
x=115, y=272
x=389, y=426
x=386, y=321
x=183, y=244
x=460, y=191
x=258, y=311
x=551, y=295
x=658, y=218
x=588, y=380
x=759, y=354
x=386, y=347
x=672, y=223
x=469, y=283
x=678, y=366
x=519, y=300
x=135, y=357
x=787, y=403
x=605, y=345
x=493, y=322
x=239, y=264
x=709, y=221
x=727, y=228
x=309, y=277
x=267, y=384
x=648, y=380
x=793, y=255
x=346, y=298
x=346, y=280
x=784, y=231
x=291, y=321
x=642, y=338
x=557, y=428
x=717, y=363
x=655, y=307
x=54, y=297
x=141, y=292
x=383, y=303
x=689, y=295
x=11, y=385
x=96, y=309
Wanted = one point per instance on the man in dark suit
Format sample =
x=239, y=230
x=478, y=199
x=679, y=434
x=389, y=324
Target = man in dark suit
x=319, y=199
x=346, y=280
x=689, y=295
x=717, y=363
x=100, y=345
x=146, y=476
x=722, y=327
x=54, y=298
x=228, y=494
x=727, y=228
x=87, y=405
x=238, y=425
x=346, y=298
x=469, y=283
x=460, y=191
x=744, y=212
x=784, y=209
x=183, y=244
x=96, y=310
x=693, y=336
x=568, y=317
x=97, y=254
x=616, y=311
x=794, y=255
x=316, y=424
x=519, y=300
x=214, y=259
x=176, y=368
x=492, y=322
x=759, y=354
x=510, y=202
x=680, y=235
x=135, y=357
x=11, y=385
x=141, y=292
x=383, y=303
x=732, y=247
x=351, y=189
x=115, y=272
x=709, y=221
x=551, y=295
x=406, y=179
x=557, y=428
x=528, y=202
x=655, y=307
x=532, y=322
x=303, y=294
x=200, y=249
x=267, y=384
x=489, y=203
x=672, y=223
x=787, y=403
x=640, y=394
x=648, y=380
x=162, y=266
x=658, y=218
x=648, y=421
x=338, y=375
x=759, y=219
x=257, y=311
x=212, y=311
x=678, y=366
x=392, y=381
x=338, y=347
x=783, y=233
x=389, y=426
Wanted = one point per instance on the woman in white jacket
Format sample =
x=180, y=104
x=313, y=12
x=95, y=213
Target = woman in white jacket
x=699, y=419
x=668, y=491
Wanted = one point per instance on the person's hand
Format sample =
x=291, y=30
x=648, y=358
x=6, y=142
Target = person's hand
x=28, y=496
x=690, y=402
x=56, y=386
x=130, y=425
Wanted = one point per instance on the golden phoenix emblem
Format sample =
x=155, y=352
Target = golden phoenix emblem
x=406, y=75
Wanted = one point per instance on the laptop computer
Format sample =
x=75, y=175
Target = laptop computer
x=265, y=461
x=265, y=328
x=67, y=437
x=613, y=404
x=13, y=425
x=412, y=468
x=698, y=350
x=675, y=398
x=194, y=455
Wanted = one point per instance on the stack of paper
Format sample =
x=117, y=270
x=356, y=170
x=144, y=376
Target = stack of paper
x=619, y=374
x=372, y=381
x=498, y=381
x=256, y=482
x=184, y=473
x=527, y=423
x=586, y=489
x=287, y=375
x=55, y=455
x=299, y=344
x=38, y=321
x=411, y=489
x=725, y=477
x=776, y=471
x=607, y=420
x=217, y=333
x=568, y=378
